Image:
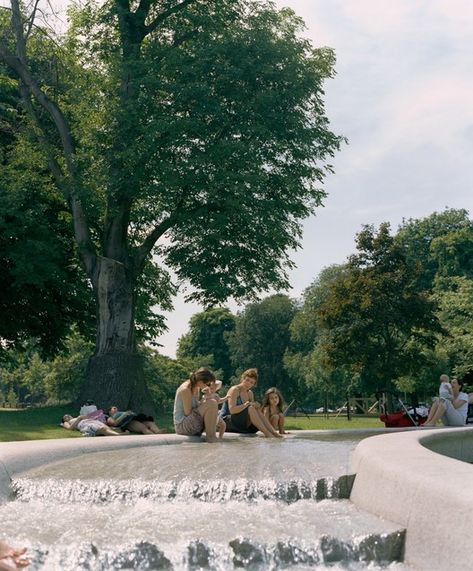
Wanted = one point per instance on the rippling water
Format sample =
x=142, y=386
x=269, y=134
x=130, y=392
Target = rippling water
x=249, y=503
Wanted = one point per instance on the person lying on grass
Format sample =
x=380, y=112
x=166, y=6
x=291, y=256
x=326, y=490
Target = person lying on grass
x=88, y=426
x=128, y=419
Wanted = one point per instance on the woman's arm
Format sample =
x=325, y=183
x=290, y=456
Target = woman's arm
x=458, y=402
x=186, y=397
x=232, y=401
x=251, y=396
x=72, y=425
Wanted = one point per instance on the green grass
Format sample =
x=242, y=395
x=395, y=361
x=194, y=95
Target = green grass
x=43, y=423
x=331, y=423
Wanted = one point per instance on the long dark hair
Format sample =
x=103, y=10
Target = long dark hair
x=202, y=374
x=273, y=390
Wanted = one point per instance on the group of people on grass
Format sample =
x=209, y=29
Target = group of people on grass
x=196, y=410
x=97, y=423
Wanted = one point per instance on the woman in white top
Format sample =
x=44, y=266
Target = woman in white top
x=193, y=416
x=452, y=413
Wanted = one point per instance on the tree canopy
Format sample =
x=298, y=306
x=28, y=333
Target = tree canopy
x=188, y=135
x=375, y=312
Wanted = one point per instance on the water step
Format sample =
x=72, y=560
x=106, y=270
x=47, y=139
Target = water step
x=105, y=491
x=241, y=553
x=266, y=534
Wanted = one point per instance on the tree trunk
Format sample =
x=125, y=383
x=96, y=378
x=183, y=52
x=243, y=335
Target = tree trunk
x=115, y=375
x=116, y=379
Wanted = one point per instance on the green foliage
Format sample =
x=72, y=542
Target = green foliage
x=305, y=359
x=67, y=369
x=456, y=315
x=206, y=339
x=43, y=289
x=163, y=376
x=205, y=130
x=260, y=339
x=422, y=241
x=375, y=316
x=36, y=381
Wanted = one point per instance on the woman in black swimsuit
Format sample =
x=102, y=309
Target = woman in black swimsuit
x=241, y=413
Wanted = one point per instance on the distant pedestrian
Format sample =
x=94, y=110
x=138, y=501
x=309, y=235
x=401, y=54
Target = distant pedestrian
x=129, y=420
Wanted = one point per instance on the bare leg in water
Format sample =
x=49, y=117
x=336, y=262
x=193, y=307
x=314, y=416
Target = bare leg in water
x=258, y=419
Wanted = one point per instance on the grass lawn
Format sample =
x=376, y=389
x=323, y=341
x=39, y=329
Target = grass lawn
x=43, y=423
x=322, y=422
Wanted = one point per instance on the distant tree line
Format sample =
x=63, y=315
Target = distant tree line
x=395, y=315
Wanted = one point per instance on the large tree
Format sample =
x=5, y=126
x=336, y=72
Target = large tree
x=193, y=131
x=375, y=317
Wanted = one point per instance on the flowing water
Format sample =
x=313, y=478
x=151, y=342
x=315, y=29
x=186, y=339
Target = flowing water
x=249, y=503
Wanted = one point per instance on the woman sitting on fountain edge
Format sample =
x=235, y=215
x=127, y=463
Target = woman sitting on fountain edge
x=242, y=413
x=192, y=416
x=452, y=413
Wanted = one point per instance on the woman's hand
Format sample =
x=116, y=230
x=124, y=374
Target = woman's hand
x=11, y=558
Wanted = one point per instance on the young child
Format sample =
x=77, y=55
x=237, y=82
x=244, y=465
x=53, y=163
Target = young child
x=273, y=404
x=211, y=393
x=445, y=389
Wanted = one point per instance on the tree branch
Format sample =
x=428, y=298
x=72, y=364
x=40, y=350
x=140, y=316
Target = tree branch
x=160, y=18
x=144, y=250
x=31, y=20
x=30, y=87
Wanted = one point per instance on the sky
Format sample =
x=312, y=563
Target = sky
x=403, y=97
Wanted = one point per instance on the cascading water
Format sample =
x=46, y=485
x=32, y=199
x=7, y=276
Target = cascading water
x=247, y=503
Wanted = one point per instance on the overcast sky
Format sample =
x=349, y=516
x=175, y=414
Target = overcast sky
x=403, y=96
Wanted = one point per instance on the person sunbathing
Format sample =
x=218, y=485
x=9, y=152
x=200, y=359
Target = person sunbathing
x=88, y=426
x=128, y=419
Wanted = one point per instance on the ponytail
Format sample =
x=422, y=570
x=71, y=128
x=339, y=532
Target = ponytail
x=203, y=374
